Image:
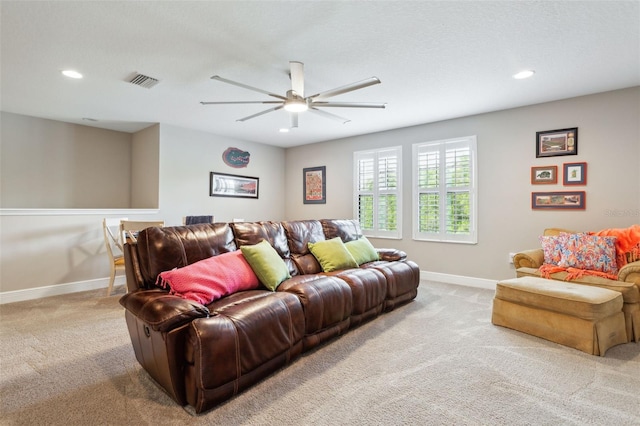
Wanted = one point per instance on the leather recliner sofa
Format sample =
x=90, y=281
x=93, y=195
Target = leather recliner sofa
x=203, y=355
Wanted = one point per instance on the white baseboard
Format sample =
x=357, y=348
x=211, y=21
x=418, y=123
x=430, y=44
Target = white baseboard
x=56, y=290
x=459, y=280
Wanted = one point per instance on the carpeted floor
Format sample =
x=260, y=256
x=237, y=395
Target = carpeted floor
x=67, y=360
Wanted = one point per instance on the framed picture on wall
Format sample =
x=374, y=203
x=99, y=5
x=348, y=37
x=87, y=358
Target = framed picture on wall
x=544, y=175
x=225, y=185
x=574, y=174
x=562, y=200
x=314, y=185
x=552, y=143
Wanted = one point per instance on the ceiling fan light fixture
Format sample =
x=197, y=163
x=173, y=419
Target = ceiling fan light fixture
x=296, y=105
x=296, y=102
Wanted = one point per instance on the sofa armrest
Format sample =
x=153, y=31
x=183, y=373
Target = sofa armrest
x=630, y=273
x=390, y=254
x=161, y=310
x=533, y=258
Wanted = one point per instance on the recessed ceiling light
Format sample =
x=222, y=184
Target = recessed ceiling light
x=72, y=74
x=524, y=74
x=284, y=130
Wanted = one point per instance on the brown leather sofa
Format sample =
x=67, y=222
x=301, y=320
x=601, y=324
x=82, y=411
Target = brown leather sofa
x=203, y=355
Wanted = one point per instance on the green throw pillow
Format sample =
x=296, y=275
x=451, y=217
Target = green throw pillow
x=332, y=255
x=266, y=263
x=362, y=250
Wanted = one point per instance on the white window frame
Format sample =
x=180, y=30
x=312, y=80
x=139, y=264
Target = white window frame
x=377, y=192
x=442, y=236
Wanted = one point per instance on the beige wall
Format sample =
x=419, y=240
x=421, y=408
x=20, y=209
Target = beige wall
x=45, y=252
x=50, y=164
x=49, y=252
x=145, y=168
x=609, y=141
x=186, y=159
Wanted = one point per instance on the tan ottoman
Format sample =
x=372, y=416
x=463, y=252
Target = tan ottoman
x=582, y=317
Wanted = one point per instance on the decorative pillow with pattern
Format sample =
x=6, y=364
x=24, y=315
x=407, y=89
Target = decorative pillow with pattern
x=590, y=252
x=552, y=246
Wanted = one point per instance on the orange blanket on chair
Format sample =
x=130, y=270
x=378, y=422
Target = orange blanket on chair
x=627, y=243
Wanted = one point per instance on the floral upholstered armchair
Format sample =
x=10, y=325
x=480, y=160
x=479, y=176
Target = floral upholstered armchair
x=609, y=259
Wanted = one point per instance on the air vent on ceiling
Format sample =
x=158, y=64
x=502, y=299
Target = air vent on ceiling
x=144, y=81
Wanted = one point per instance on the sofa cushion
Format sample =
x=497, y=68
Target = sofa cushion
x=251, y=233
x=299, y=234
x=332, y=255
x=590, y=252
x=266, y=263
x=210, y=279
x=362, y=250
x=346, y=229
x=162, y=249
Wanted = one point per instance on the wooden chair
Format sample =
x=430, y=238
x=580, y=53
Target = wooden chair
x=129, y=228
x=114, y=243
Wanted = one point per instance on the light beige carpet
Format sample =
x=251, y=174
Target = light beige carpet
x=67, y=360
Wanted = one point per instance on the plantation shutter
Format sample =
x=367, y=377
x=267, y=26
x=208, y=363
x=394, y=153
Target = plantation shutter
x=445, y=190
x=377, y=194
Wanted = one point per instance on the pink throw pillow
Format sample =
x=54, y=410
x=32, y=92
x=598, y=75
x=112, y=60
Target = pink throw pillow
x=590, y=252
x=552, y=246
x=210, y=279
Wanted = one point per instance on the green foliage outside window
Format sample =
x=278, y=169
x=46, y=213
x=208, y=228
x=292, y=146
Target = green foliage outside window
x=458, y=213
x=365, y=211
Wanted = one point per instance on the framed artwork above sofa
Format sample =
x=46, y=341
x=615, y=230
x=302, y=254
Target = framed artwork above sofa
x=560, y=200
x=552, y=143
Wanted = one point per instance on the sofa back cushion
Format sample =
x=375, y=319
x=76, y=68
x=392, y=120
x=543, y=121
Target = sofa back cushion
x=163, y=249
x=299, y=234
x=251, y=233
x=346, y=229
x=554, y=232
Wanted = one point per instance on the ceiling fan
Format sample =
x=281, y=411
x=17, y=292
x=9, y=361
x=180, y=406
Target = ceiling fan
x=295, y=101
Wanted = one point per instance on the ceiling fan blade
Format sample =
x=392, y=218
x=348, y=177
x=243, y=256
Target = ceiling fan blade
x=244, y=86
x=294, y=120
x=345, y=89
x=260, y=113
x=240, y=102
x=297, y=77
x=347, y=105
x=329, y=115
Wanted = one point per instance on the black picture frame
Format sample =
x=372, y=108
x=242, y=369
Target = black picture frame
x=314, y=185
x=553, y=143
x=226, y=185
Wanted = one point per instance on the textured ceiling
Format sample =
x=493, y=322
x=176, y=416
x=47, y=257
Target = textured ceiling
x=436, y=60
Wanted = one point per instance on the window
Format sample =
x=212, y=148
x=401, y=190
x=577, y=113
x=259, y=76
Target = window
x=377, y=193
x=445, y=190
